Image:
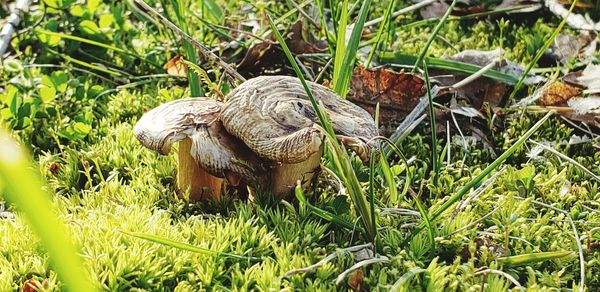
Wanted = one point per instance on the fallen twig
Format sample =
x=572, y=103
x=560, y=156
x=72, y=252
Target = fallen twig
x=12, y=23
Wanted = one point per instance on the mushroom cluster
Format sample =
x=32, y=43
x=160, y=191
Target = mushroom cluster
x=264, y=136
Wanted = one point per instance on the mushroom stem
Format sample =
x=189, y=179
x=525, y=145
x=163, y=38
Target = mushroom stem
x=192, y=179
x=285, y=176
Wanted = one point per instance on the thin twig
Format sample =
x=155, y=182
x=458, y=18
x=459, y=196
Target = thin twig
x=401, y=11
x=501, y=273
x=327, y=259
x=12, y=23
x=474, y=76
x=569, y=159
x=201, y=48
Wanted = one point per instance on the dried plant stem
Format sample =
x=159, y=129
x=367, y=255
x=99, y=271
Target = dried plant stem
x=13, y=21
x=201, y=48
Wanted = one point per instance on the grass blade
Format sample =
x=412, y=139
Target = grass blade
x=389, y=178
x=341, y=84
x=447, y=65
x=341, y=160
x=188, y=247
x=399, y=286
x=539, y=54
x=340, y=46
x=384, y=23
x=434, y=157
x=433, y=35
x=426, y=220
x=22, y=187
x=320, y=212
x=458, y=195
x=532, y=258
x=190, y=53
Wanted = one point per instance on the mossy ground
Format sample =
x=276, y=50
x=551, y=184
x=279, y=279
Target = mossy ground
x=104, y=182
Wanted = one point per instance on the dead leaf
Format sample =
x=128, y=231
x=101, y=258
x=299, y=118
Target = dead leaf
x=558, y=92
x=269, y=56
x=176, y=67
x=397, y=93
x=464, y=8
x=355, y=281
x=481, y=91
x=434, y=10
x=567, y=47
x=32, y=285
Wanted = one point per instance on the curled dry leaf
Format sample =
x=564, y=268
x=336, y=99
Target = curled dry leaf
x=397, y=93
x=268, y=55
x=176, y=67
x=355, y=281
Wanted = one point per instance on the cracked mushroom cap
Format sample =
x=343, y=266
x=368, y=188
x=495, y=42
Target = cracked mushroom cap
x=274, y=117
x=213, y=148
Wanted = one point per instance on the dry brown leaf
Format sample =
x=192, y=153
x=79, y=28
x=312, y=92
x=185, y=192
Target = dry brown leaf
x=566, y=47
x=268, y=55
x=355, y=281
x=396, y=93
x=176, y=67
x=558, y=92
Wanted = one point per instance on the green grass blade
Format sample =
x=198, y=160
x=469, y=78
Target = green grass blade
x=190, y=52
x=341, y=160
x=433, y=35
x=532, y=258
x=447, y=65
x=425, y=216
x=188, y=247
x=320, y=212
x=341, y=84
x=400, y=285
x=389, y=178
x=458, y=195
x=340, y=45
x=382, y=26
x=372, y=187
x=540, y=53
x=434, y=156
x=22, y=187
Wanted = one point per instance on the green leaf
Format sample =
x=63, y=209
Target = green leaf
x=92, y=6
x=47, y=93
x=532, y=258
x=106, y=21
x=13, y=65
x=89, y=27
x=81, y=129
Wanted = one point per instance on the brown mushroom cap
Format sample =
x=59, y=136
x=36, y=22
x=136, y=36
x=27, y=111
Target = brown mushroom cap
x=213, y=149
x=274, y=117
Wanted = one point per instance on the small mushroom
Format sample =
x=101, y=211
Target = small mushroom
x=207, y=152
x=274, y=117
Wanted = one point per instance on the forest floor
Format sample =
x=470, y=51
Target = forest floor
x=79, y=74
